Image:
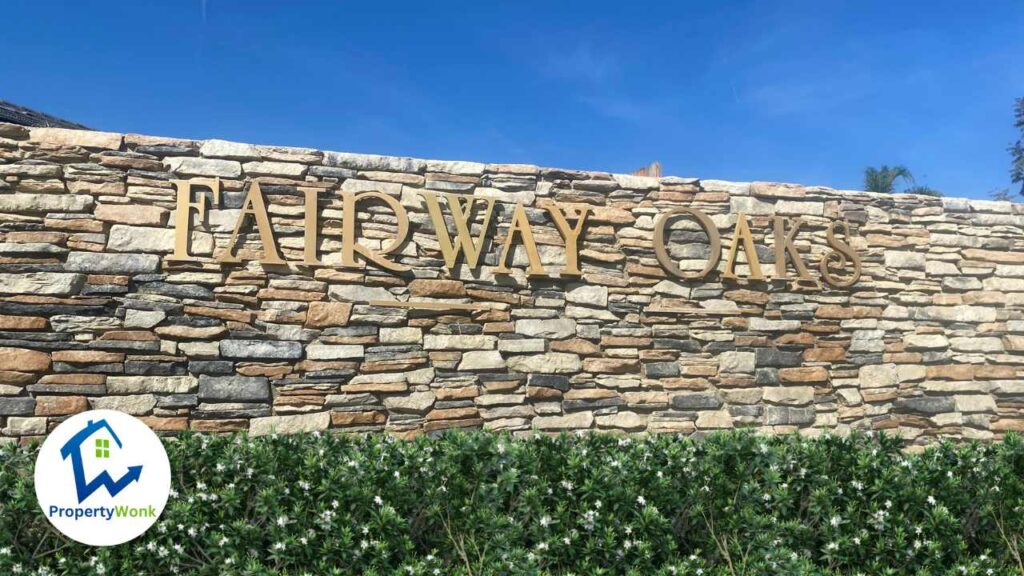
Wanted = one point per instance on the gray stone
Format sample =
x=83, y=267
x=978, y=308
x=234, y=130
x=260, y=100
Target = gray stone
x=159, y=384
x=372, y=162
x=21, y=426
x=24, y=202
x=776, y=357
x=124, y=238
x=976, y=344
x=904, y=260
x=588, y=295
x=143, y=318
x=334, y=351
x=697, y=401
x=417, y=402
x=759, y=324
x=459, y=342
x=229, y=150
x=878, y=375
x=556, y=329
x=358, y=293
x=281, y=169
x=234, y=388
x=736, y=362
x=93, y=262
x=137, y=405
x=550, y=363
x=268, y=349
x=549, y=381
x=925, y=342
x=661, y=369
x=70, y=323
x=187, y=166
x=290, y=424
x=785, y=415
x=19, y=406
x=789, y=395
x=402, y=335
x=482, y=360
x=579, y=420
x=41, y=283
x=925, y=405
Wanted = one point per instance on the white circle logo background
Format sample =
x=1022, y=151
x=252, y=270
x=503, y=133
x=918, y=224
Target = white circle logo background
x=116, y=464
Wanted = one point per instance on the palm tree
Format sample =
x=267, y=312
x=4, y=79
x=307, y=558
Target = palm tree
x=884, y=179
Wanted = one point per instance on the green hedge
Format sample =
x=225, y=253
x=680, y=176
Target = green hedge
x=483, y=503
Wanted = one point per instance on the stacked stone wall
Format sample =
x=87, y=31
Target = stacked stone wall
x=95, y=311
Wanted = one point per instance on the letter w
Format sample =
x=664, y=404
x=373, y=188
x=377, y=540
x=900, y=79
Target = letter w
x=461, y=208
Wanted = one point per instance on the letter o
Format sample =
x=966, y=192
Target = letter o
x=709, y=228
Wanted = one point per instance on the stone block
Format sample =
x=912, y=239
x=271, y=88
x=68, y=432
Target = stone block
x=696, y=401
x=234, y=388
x=557, y=328
x=731, y=362
x=71, y=137
x=550, y=363
x=790, y=395
x=575, y=421
x=136, y=405
x=96, y=263
x=334, y=351
x=25, y=202
x=188, y=166
x=459, y=342
x=23, y=360
x=877, y=375
x=786, y=415
x=482, y=360
x=261, y=349
x=41, y=283
x=290, y=424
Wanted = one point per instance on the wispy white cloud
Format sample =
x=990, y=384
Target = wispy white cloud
x=581, y=62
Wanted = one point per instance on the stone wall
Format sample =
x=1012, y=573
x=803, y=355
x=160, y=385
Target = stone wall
x=95, y=312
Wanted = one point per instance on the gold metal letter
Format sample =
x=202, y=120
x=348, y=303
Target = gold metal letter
x=714, y=242
x=571, y=235
x=521, y=224
x=311, y=233
x=462, y=213
x=742, y=233
x=349, y=246
x=183, y=213
x=784, y=246
x=254, y=205
x=842, y=252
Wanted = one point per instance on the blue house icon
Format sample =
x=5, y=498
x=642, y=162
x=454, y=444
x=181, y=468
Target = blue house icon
x=73, y=449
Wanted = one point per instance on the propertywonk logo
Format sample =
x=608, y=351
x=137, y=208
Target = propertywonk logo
x=102, y=477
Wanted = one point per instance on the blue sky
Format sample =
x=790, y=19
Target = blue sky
x=791, y=91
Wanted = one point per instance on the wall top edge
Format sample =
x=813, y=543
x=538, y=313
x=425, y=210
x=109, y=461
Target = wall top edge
x=215, y=148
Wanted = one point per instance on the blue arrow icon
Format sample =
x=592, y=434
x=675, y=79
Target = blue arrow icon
x=73, y=449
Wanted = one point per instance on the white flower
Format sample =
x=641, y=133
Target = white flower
x=545, y=521
x=378, y=500
x=835, y=521
x=279, y=546
x=641, y=500
x=282, y=521
x=931, y=500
